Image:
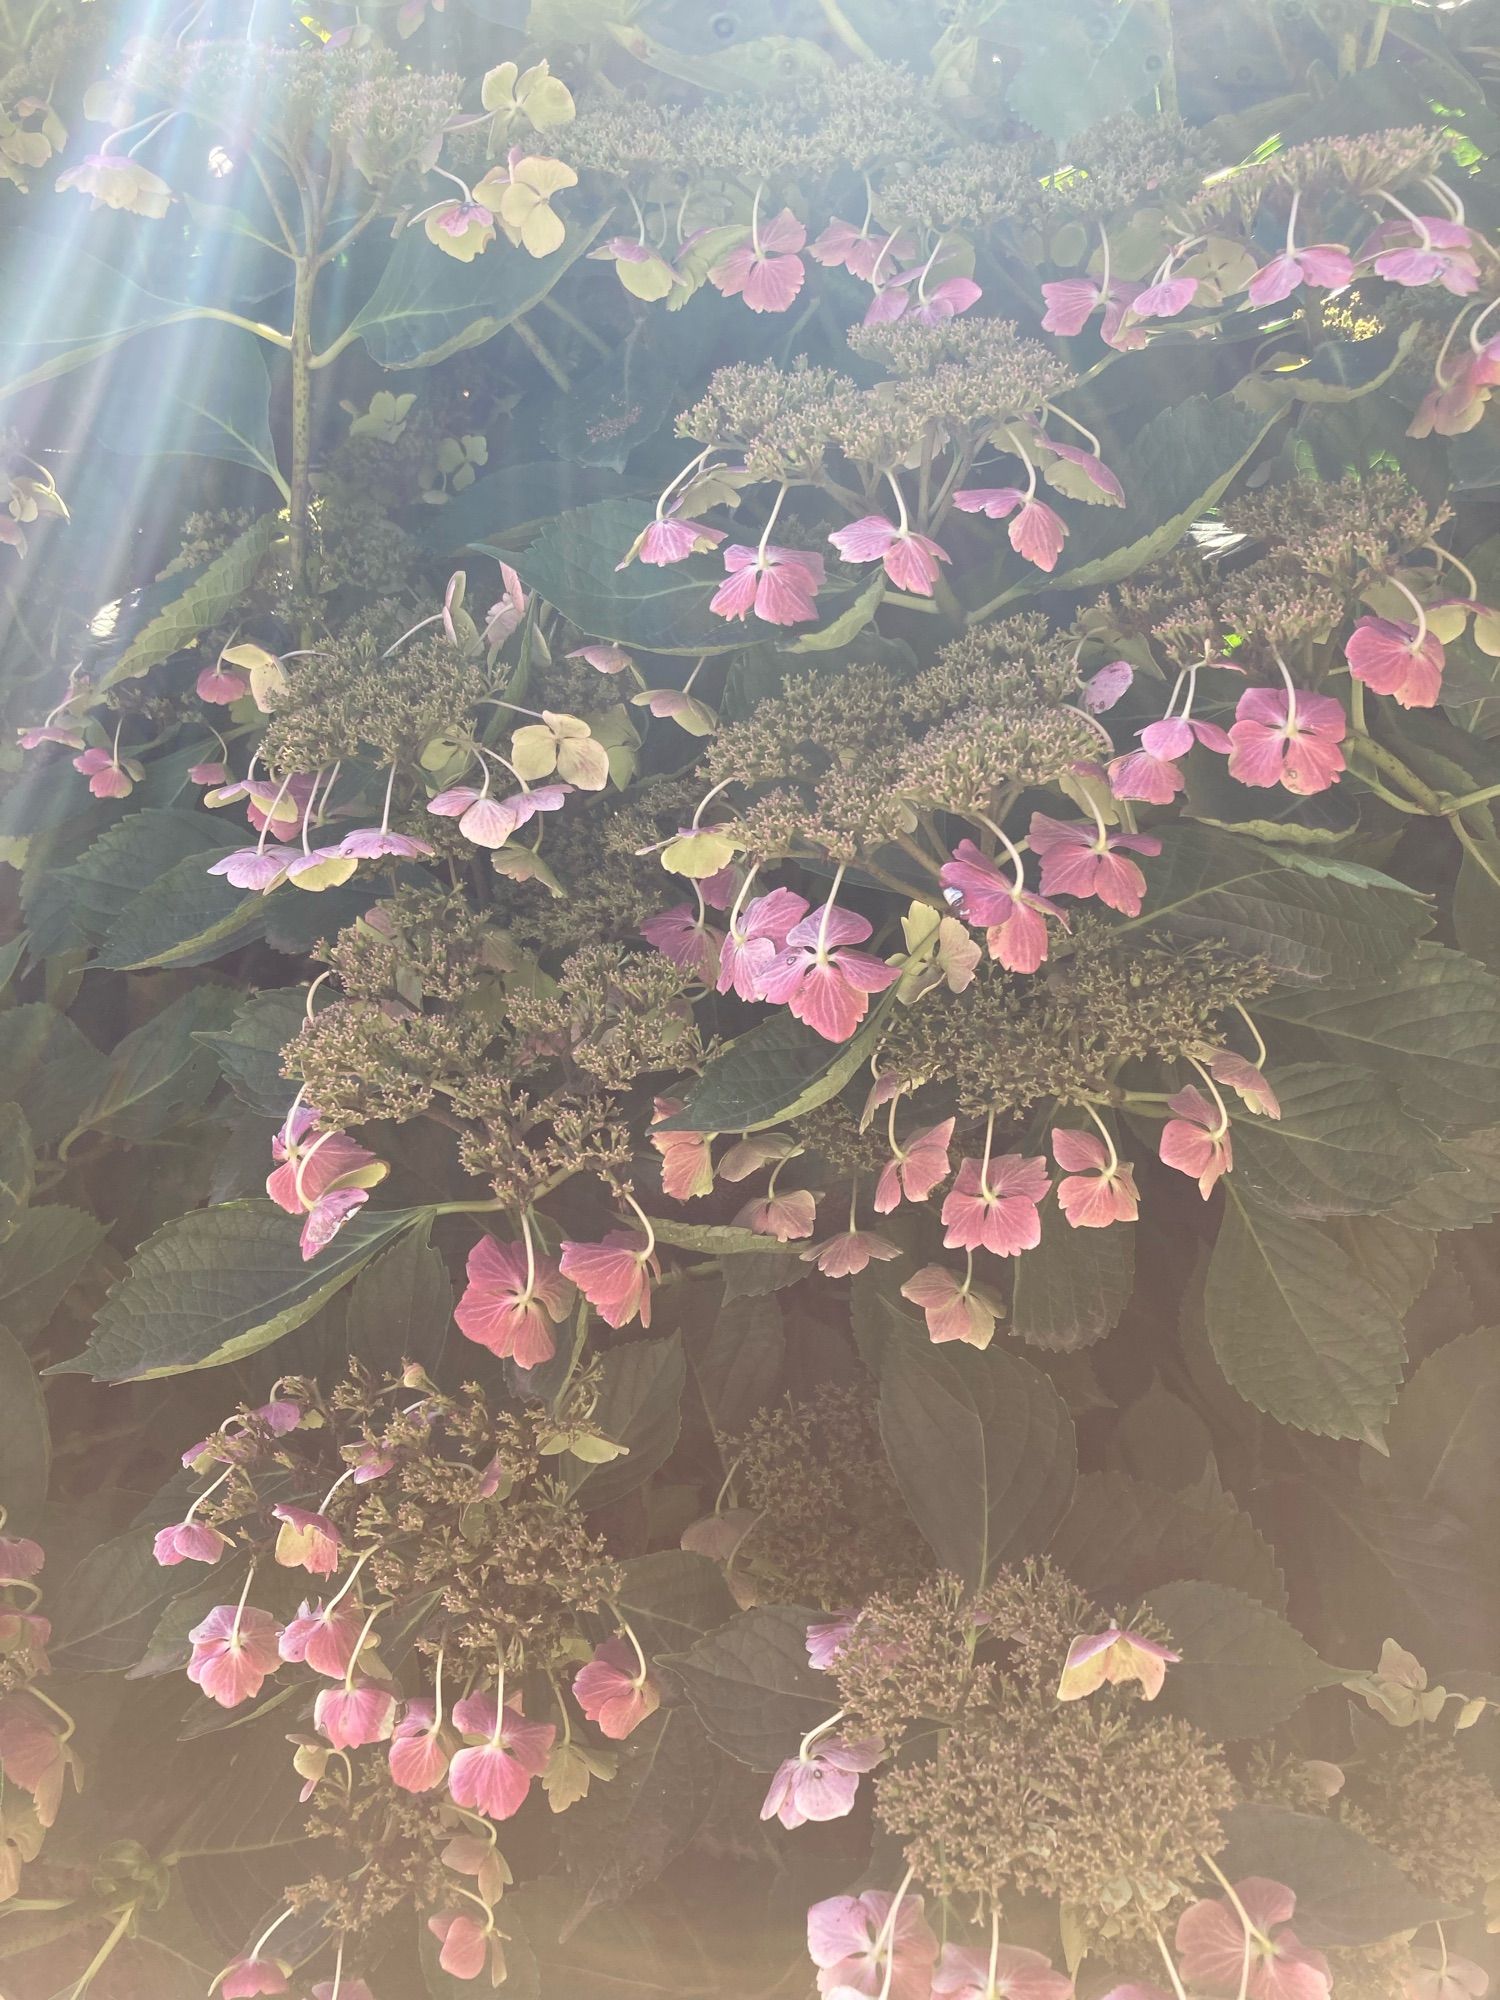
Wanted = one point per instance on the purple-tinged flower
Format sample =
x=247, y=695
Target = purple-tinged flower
x=307, y=1540
x=827, y=1638
x=1109, y=685
x=953, y=1311
x=857, y=250
x=21, y=1559
x=1071, y=303
x=1324, y=266
x=910, y=560
x=245, y=1978
x=460, y=229
x=506, y=613
x=1212, y=1942
x=614, y=1690
x=418, y=1756
x=820, y=980
x=916, y=1169
x=1081, y=858
x=234, y=1649
x=765, y=271
x=603, y=659
x=1403, y=661
x=510, y=1303
x=351, y=1717
x=755, y=940
x=1037, y=532
x=1011, y=1972
x=614, y=1276
x=327, y=1217
x=845, y=1255
x=493, y=1773
x=188, y=1541
x=1445, y=1975
x=221, y=684
x=251, y=868
x=687, y=1161
x=114, y=180
x=992, y=1205
x=376, y=843
x=1165, y=296
x=684, y=935
x=324, y=1637
x=465, y=1944
x=1197, y=1140
x=778, y=585
x=343, y=1989
x=208, y=774
x=1245, y=1079
x=50, y=732
x=1152, y=773
x=1013, y=919
x=110, y=776
x=644, y=272
x=820, y=1783
x=1090, y=464
x=862, y=1945
x=1101, y=1188
x=1113, y=1657
x=316, y=1164
x=1286, y=736
x=670, y=540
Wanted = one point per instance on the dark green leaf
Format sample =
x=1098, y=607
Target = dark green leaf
x=752, y=1686
x=17, y=1166
x=672, y=1599
x=1442, y=1433
x=401, y=1306
x=85, y=900
x=1342, y=1146
x=25, y=1443
x=249, y=1054
x=1081, y=64
x=211, y=398
x=779, y=1070
x=1123, y=1537
x=1071, y=1290
x=982, y=1448
x=159, y=1073
x=186, y=917
x=625, y=1833
x=47, y=1249
x=651, y=375
x=1349, y=1892
x=738, y=1361
x=1465, y=1192
x=640, y=1406
x=107, y=1608
x=211, y=596
x=508, y=508
x=1243, y=1668
x=573, y=563
x=48, y=1067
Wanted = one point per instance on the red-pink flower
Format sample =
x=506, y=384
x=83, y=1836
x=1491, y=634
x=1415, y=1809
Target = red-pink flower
x=1152, y=773
x=671, y=540
x=327, y=1217
x=684, y=935
x=953, y=1311
x=1325, y=266
x=1396, y=659
x=1441, y=255
x=50, y=732
x=1212, y=1942
x=1089, y=463
x=1112, y=1657
x=820, y=980
x=493, y=1775
x=465, y=1944
x=687, y=1160
x=1037, y=532
x=351, y=1717
x=418, y=1757
x=916, y=1169
x=765, y=272
x=251, y=868
x=787, y=1217
x=1082, y=858
x=234, y=1649
x=1165, y=296
x=614, y=1276
x=1071, y=302
x=778, y=585
x=221, y=684
x=324, y=1637
x=1243, y=1077
x=307, y=1540
x=187, y=1541
x=21, y=1559
x=856, y=250
x=911, y=560
x=510, y=1307
x=755, y=938
x=316, y=1163
x=850, y=1252
x=860, y=1945
x=1101, y=1189
x=244, y=1978
x=614, y=1690
x=993, y=1205
x=971, y=1972
x=1014, y=920
x=819, y=1783
x=1197, y=1141
x=109, y=776
x=1283, y=736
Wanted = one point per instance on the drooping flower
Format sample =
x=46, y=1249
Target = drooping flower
x=643, y=271
x=1243, y=1077
x=220, y=684
x=859, y=251
x=779, y=585
x=1101, y=1188
x=1165, y=296
x=244, y=1978
x=110, y=776
x=187, y=1541
x=234, y=1649
x=687, y=1161
x=1285, y=736
x=1445, y=1975
x=379, y=843
x=251, y=868
x=786, y=1217
x=820, y=980
x=316, y=1164
x=1071, y=302
x=1083, y=858
x=756, y=936
x=1037, y=532
x=1113, y=1657
x=614, y=1691
x=1212, y=1941
x=50, y=732
x=966, y=1311
x=1105, y=688
x=307, y=1540
x=765, y=271
x=993, y=1205
x=493, y=1774
x=1324, y=266
x=910, y=560
x=1013, y=919
x=614, y=1276
x=827, y=1638
x=351, y=1717
x=1440, y=256
x=852, y=1251
x=916, y=1169
x=114, y=180
x=1152, y=773
x=856, y=1941
x=604, y=659
x=327, y=1217
x=1403, y=661
x=1095, y=472
x=1197, y=1141
x=418, y=1757
x=510, y=1303
x=821, y=1782
x=324, y=1637
x=1011, y=1972
x=460, y=228
x=670, y=540
x=465, y=1943
x=21, y=1559
x=684, y=935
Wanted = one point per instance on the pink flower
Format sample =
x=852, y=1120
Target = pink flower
x=917, y=1168
x=1197, y=1141
x=490, y=822
x=308, y=1172
x=1090, y=465
x=778, y=585
x=49, y=732
x=953, y=1311
x=418, y=1759
x=1102, y=1191
x=1071, y=302
x=1286, y=737
x=851, y=1938
x=1114, y=1657
x=858, y=252
x=108, y=778
x=507, y=1309
x=823, y=984
x=910, y=559
x=307, y=1540
x=376, y=843
x=246, y=1977
x=21, y=1558
x=755, y=940
x=614, y=1276
x=1212, y=1941
x=1164, y=298
x=1243, y=1077
x=351, y=1717
x=221, y=684
x=1397, y=660
x=1080, y=858
x=821, y=1783
x=1441, y=257
x=1120, y=329
x=234, y=1649
x=494, y=1775
x=844, y=1255
x=208, y=774
x=466, y=1944
x=964, y=1973
x=683, y=935
x=1013, y=919
x=1152, y=773
x=251, y=868
x=687, y=1160
x=1108, y=686
x=603, y=659
x=827, y=1639
x=188, y=1541
x=765, y=272
x=787, y=1217
x=1445, y=1975
x=671, y=541
x=993, y=1206
x=1326, y=266
x=945, y=301
x=327, y=1217
x=275, y=808
x=614, y=1692
x=1037, y=532
x=324, y=1637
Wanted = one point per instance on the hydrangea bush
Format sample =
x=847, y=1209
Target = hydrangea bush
x=751, y=1022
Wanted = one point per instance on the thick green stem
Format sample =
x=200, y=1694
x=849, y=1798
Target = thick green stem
x=301, y=352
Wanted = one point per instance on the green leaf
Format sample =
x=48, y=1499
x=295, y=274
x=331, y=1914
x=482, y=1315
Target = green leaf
x=222, y=1283
x=25, y=1442
x=1311, y=927
x=1465, y=1192
x=640, y=1407
x=108, y=1606
x=1081, y=64
x=653, y=373
x=1442, y=1432
x=159, y=1073
x=1297, y=1329
x=1243, y=1668
x=752, y=1686
x=1430, y=1024
x=47, y=1249
x=1342, y=1146
x=401, y=1306
x=249, y=1054
x=211, y=596
x=720, y=1239
x=211, y=398
x=1349, y=1892
x=780, y=1070
x=1072, y=1288
x=49, y=1067
x=186, y=917
x=1397, y=1261
x=427, y=307
x=739, y=1360
x=17, y=1166
x=572, y=563
x=135, y=852
x=625, y=1833
x=502, y=512
x=673, y=1599
x=90, y=308
x=982, y=1448
x=848, y=625
x=1123, y=1537
x=1337, y=371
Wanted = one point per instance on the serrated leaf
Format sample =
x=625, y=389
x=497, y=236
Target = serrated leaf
x=1349, y=1892
x=780, y=1070
x=1123, y=1537
x=672, y=1599
x=135, y=852
x=401, y=1306
x=720, y=1239
x=1243, y=1668
x=982, y=1448
x=17, y=1166
x=211, y=596
x=107, y=1607
x=249, y=1053
x=627, y=1832
x=160, y=1072
x=752, y=1686
x=222, y=1283
x=1342, y=1146
x=1464, y=1193
x=640, y=1407
x=25, y=1442
x=738, y=1360
x=1441, y=1436
x=572, y=563
x=1296, y=1329
x=1072, y=1288
x=47, y=1249
x=91, y=308
x=185, y=917
x=49, y=1067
